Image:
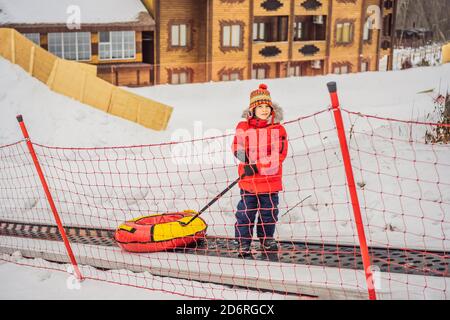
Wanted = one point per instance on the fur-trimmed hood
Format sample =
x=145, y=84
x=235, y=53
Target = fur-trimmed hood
x=277, y=110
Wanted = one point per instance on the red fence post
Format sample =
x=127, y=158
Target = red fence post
x=49, y=198
x=332, y=88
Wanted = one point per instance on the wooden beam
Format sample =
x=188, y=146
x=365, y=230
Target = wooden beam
x=361, y=34
x=32, y=54
x=250, y=39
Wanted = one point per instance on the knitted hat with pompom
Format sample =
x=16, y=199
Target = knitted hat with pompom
x=260, y=96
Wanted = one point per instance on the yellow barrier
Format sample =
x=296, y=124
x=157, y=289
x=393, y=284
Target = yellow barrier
x=67, y=79
x=446, y=53
x=7, y=44
x=124, y=105
x=44, y=67
x=100, y=96
x=147, y=108
x=79, y=81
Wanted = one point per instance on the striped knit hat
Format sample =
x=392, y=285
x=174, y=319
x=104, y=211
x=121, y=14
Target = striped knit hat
x=260, y=96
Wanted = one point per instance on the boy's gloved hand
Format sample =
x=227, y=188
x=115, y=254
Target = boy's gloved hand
x=250, y=170
x=241, y=155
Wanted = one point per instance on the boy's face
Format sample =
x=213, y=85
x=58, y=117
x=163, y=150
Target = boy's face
x=263, y=111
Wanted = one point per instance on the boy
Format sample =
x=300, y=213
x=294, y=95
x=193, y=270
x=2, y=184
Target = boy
x=261, y=145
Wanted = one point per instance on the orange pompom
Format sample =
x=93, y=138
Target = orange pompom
x=263, y=86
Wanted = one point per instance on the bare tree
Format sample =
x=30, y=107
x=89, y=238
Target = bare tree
x=430, y=14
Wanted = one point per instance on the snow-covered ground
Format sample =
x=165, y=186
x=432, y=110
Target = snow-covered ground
x=94, y=193
x=21, y=281
x=24, y=278
x=55, y=120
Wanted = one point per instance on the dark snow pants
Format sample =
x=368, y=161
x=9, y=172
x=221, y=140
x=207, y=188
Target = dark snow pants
x=247, y=209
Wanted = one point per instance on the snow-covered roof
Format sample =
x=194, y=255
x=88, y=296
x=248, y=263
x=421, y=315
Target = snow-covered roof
x=63, y=11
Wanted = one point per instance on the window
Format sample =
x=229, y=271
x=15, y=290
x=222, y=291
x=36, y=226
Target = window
x=344, y=33
x=295, y=71
x=364, y=66
x=344, y=69
x=179, y=35
x=271, y=29
x=309, y=28
x=341, y=68
x=231, y=76
x=55, y=44
x=35, y=37
x=259, y=73
x=231, y=36
x=83, y=45
x=387, y=25
x=117, y=45
x=70, y=45
x=298, y=31
x=259, y=31
x=180, y=76
x=235, y=76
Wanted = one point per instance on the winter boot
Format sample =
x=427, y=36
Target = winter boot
x=245, y=249
x=269, y=245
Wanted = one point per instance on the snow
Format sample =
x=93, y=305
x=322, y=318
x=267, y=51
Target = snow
x=213, y=109
x=217, y=105
x=63, y=11
x=139, y=270
x=325, y=282
x=27, y=283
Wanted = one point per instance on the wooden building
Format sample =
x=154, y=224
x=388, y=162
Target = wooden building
x=115, y=35
x=145, y=42
x=221, y=40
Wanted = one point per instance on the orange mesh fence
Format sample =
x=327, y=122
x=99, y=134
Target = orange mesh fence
x=402, y=181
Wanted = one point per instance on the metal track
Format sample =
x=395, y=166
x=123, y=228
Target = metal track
x=428, y=263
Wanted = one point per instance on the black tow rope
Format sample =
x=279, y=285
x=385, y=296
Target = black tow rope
x=212, y=201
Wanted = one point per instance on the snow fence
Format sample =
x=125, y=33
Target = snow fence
x=402, y=179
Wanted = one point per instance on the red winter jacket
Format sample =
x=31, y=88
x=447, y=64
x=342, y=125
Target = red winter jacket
x=265, y=144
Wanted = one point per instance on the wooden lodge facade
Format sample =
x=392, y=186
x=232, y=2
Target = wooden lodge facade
x=115, y=35
x=220, y=40
x=146, y=42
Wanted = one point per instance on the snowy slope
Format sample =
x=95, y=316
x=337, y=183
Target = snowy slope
x=24, y=282
x=50, y=281
x=55, y=120
x=312, y=168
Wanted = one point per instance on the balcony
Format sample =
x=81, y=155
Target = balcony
x=271, y=7
x=309, y=36
x=311, y=7
x=270, y=39
x=264, y=52
x=309, y=50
